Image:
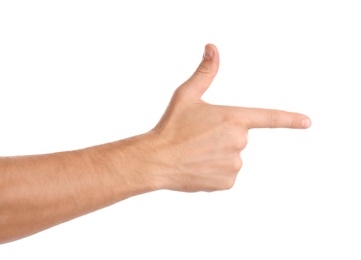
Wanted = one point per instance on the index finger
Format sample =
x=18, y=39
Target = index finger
x=272, y=118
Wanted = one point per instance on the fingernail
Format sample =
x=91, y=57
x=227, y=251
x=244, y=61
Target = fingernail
x=208, y=52
x=306, y=123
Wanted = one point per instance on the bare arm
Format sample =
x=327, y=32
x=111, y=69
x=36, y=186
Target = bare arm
x=195, y=147
x=37, y=192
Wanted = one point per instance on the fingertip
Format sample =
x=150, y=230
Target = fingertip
x=210, y=50
x=306, y=122
x=202, y=78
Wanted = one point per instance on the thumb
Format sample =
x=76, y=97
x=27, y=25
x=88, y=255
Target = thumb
x=202, y=78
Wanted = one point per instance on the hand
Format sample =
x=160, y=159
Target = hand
x=200, y=143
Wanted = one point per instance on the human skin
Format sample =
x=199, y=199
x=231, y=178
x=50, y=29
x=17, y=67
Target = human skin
x=194, y=147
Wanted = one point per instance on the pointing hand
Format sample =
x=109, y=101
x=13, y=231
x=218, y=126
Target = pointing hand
x=199, y=143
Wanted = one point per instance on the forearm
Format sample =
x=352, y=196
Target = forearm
x=37, y=192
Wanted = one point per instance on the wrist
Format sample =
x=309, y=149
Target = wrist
x=133, y=164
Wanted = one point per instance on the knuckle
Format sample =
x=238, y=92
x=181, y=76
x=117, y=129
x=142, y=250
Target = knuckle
x=179, y=93
x=229, y=183
x=241, y=143
x=229, y=178
x=202, y=69
x=237, y=165
x=231, y=119
x=274, y=116
x=295, y=123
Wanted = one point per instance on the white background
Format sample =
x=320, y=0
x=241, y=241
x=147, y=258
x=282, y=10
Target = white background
x=80, y=73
